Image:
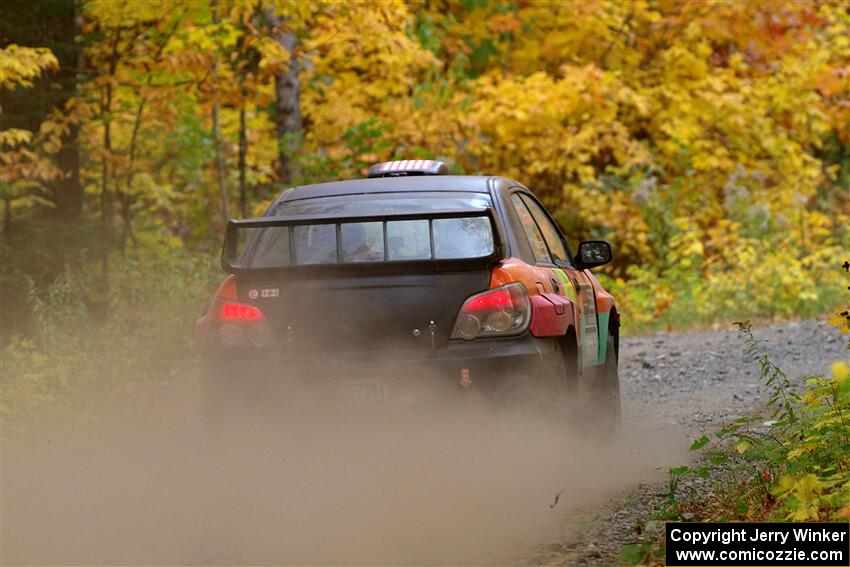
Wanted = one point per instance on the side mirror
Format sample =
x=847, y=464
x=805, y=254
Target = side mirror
x=593, y=253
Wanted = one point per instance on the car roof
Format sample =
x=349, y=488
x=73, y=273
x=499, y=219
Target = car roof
x=416, y=183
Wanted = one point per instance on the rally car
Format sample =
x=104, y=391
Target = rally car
x=389, y=289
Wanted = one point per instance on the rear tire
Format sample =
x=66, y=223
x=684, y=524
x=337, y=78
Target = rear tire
x=604, y=394
x=556, y=384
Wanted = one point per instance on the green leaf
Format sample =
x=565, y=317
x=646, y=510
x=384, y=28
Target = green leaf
x=747, y=419
x=717, y=457
x=699, y=443
x=634, y=553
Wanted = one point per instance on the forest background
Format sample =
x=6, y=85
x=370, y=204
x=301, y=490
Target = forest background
x=708, y=141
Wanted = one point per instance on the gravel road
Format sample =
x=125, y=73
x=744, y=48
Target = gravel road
x=690, y=383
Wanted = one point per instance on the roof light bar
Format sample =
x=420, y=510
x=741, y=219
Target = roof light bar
x=408, y=167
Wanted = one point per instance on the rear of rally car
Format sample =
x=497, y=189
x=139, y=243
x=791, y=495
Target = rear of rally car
x=369, y=295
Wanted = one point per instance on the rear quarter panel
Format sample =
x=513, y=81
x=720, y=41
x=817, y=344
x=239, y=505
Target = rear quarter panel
x=606, y=309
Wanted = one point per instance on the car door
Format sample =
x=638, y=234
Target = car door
x=565, y=279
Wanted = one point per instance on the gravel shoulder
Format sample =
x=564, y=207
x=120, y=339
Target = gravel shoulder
x=691, y=384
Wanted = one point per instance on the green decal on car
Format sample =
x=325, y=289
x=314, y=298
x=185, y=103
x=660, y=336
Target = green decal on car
x=591, y=340
x=569, y=291
x=603, y=336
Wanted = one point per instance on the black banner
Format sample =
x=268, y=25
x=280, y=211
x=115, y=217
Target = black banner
x=762, y=544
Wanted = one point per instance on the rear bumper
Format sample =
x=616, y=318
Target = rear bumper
x=465, y=366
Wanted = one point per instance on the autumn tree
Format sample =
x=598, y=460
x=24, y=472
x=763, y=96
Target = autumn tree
x=51, y=24
x=707, y=140
x=23, y=165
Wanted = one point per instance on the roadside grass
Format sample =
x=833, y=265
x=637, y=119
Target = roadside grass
x=791, y=465
x=89, y=342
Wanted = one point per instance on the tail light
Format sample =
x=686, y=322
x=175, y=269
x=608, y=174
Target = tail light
x=498, y=312
x=235, y=324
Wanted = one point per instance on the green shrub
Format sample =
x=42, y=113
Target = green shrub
x=90, y=341
x=805, y=452
x=755, y=280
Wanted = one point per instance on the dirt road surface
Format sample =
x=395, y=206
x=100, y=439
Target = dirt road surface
x=144, y=485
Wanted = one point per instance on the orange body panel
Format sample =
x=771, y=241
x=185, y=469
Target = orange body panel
x=227, y=289
x=514, y=270
x=604, y=301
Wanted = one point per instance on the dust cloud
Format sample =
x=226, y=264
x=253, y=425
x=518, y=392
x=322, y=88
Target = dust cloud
x=456, y=483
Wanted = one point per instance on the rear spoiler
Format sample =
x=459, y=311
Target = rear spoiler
x=229, y=254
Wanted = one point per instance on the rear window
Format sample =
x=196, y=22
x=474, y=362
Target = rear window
x=363, y=242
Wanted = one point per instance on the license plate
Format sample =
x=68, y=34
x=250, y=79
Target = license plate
x=369, y=392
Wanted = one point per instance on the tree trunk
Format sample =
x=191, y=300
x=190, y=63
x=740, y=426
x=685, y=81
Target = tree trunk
x=7, y=214
x=219, y=165
x=105, y=205
x=287, y=99
x=124, y=196
x=68, y=191
x=243, y=154
x=106, y=107
x=106, y=116
x=216, y=129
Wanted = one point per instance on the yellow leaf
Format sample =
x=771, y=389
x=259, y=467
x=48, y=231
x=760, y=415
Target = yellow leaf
x=840, y=371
